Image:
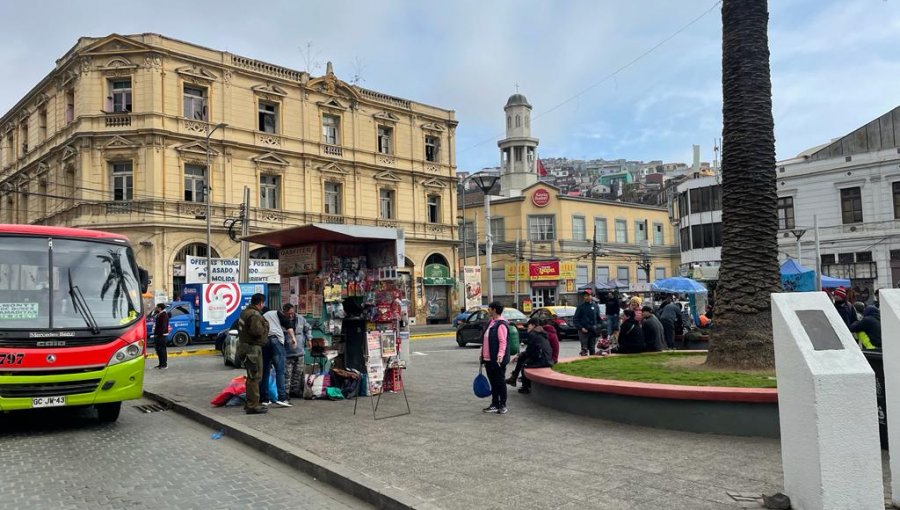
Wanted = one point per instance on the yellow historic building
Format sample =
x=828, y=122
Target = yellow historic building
x=114, y=138
x=555, y=236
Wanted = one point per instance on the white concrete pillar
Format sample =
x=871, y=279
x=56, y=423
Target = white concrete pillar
x=890, y=323
x=826, y=404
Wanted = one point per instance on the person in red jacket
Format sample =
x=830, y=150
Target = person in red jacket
x=554, y=339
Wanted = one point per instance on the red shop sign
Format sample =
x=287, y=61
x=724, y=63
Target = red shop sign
x=543, y=271
x=540, y=197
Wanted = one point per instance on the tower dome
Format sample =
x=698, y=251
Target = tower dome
x=517, y=100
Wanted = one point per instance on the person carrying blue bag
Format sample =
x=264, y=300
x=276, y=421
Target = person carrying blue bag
x=495, y=356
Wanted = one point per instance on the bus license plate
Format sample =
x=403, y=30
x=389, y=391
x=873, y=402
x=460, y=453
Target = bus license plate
x=48, y=401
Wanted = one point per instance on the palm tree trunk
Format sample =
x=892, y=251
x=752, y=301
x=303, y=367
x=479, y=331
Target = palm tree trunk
x=749, y=272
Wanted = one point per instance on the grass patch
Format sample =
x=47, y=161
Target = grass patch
x=686, y=369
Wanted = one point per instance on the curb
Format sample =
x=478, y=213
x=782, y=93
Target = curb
x=193, y=352
x=334, y=474
x=424, y=336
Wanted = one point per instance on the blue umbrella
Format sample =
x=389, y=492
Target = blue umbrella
x=678, y=285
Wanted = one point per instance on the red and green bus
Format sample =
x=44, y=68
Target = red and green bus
x=72, y=330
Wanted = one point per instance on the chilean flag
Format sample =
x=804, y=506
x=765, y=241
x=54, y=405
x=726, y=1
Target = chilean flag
x=541, y=171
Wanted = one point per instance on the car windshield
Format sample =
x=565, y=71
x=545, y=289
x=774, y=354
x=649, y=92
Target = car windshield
x=513, y=314
x=567, y=311
x=92, y=284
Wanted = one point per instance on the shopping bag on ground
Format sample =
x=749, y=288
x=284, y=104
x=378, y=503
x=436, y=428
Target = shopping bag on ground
x=273, y=388
x=481, y=386
x=235, y=387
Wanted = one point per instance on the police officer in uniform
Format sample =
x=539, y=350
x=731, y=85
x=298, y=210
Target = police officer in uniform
x=253, y=334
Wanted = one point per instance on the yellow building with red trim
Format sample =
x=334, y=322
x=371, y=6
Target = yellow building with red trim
x=552, y=236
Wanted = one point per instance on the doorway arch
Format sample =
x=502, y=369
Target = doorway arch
x=437, y=283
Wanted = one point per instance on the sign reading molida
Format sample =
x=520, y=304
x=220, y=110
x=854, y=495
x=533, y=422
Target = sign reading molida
x=548, y=270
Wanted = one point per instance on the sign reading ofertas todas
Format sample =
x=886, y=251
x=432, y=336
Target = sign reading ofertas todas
x=229, y=270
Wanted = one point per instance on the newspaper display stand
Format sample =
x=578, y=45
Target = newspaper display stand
x=344, y=279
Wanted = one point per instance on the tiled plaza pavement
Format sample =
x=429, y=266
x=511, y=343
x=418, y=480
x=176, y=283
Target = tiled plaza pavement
x=449, y=454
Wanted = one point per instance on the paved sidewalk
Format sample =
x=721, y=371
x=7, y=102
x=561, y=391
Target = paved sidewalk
x=448, y=454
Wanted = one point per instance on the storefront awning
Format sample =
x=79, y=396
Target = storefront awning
x=324, y=232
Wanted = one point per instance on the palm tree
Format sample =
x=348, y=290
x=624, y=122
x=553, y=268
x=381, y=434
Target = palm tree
x=116, y=280
x=749, y=270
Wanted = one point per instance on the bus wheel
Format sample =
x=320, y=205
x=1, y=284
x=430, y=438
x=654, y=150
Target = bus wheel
x=181, y=339
x=108, y=413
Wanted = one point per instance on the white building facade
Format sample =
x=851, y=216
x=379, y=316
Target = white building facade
x=852, y=187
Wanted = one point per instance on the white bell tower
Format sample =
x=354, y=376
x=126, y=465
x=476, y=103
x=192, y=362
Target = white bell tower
x=518, y=151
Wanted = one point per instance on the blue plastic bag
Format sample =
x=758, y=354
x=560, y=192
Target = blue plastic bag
x=273, y=388
x=481, y=386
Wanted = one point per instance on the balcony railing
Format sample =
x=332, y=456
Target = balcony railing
x=191, y=214
x=332, y=150
x=118, y=120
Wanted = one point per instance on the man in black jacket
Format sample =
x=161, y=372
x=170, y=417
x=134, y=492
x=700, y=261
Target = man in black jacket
x=538, y=354
x=586, y=319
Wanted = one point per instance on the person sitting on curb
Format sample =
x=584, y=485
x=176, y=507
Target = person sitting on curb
x=538, y=354
x=631, y=337
x=869, y=328
x=654, y=338
x=553, y=337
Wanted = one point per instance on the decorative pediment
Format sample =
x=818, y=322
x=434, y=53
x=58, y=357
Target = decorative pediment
x=387, y=117
x=117, y=142
x=115, y=43
x=270, y=89
x=387, y=176
x=68, y=152
x=331, y=85
x=195, y=148
x=431, y=126
x=42, y=168
x=333, y=168
x=434, y=183
x=118, y=64
x=23, y=115
x=270, y=158
x=332, y=103
x=195, y=72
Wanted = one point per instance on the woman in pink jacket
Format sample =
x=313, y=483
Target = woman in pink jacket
x=495, y=356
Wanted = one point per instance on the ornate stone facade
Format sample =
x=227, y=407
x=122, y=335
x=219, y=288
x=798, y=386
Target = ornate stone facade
x=105, y=141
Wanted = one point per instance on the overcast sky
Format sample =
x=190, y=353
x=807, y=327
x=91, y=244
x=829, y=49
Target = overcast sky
x=835, y=63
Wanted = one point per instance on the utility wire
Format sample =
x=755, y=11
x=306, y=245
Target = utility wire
x=609, y=76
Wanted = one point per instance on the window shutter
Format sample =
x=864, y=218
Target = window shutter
x=109, y=104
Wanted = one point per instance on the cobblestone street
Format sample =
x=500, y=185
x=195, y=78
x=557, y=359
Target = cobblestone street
x=65, y=459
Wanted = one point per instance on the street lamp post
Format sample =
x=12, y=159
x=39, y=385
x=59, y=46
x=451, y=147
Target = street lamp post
x=486, y=182
x=209, y=205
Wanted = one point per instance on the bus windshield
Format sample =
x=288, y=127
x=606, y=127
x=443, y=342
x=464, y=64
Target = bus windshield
x=92, y=285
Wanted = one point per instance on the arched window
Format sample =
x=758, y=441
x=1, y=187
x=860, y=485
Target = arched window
x=194, y=250
x=264, y=253
x=180, y=269
x=509, y=121
x=436, y=258
x=518, y=121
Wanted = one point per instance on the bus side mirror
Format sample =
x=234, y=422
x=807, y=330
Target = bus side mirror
x=144, y=277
